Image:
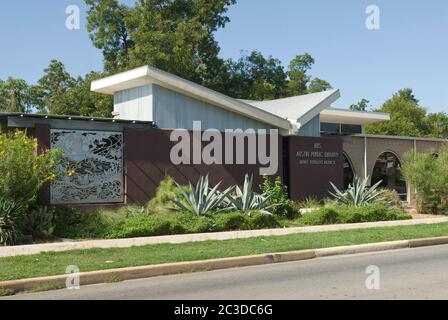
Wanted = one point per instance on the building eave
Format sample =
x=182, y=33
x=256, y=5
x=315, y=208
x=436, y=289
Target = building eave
x=72, y=118
x=381, y=136
x=346, y=116
x=324, y=104
x=149, y=75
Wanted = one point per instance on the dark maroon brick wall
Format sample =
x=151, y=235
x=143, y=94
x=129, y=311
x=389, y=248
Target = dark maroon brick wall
x=147, y=162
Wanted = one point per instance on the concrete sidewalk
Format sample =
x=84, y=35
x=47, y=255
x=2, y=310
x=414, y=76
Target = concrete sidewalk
x=174, y=239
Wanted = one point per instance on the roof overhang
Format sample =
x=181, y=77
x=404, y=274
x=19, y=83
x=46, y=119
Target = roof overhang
x=149, y=75
x=299, y=109
x=344, y=116
x=325, y=103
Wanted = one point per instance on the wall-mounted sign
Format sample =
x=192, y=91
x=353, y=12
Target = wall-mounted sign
x=313, y=164
x=317, y=156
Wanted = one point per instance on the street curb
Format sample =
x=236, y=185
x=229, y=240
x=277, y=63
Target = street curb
x=122, y=274
x=362, y=248
x=428, y=242
x=114, y=275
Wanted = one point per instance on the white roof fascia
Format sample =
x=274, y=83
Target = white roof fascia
x=346, y=116
x=380, y=136
x=149, y=75
x=311, y=114
x=299, y=109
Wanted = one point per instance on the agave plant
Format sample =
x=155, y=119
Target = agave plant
x=200, y=199
x=38, y=223
x=10, y=213
x=247, y=200
x=358, y=193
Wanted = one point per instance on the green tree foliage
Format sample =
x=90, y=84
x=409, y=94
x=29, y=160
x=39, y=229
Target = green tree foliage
x=407, y=117
x=362, y=105
x=297, y=73
x=255, y=77
x=177, y=36
x=107, y=24
x=318, y=85
x=86, y=102
x=57, y=92
x=437, y=125
x=15, y=96
x=52, y=90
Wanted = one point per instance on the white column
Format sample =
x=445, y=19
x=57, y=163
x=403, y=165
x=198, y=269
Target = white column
x=365, y=157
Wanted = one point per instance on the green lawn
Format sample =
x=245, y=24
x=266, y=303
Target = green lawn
x=99, y=259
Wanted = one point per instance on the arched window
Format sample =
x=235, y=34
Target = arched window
x=387, y=170
x=349, y=173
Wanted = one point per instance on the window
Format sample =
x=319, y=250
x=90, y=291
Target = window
x=330, y=129
x=348, y=129
x=337, y=129
x=387, y=170
x=349, y=173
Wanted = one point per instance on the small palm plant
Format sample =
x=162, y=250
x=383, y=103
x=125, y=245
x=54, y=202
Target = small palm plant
x=246, y=200
x=200, y=199
x=359, y=194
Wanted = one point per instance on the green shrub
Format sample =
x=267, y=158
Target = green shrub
x=76, y=223
x=10, y=214
x=23, y=171
x=349, y=214
x=165, y=193
x=393, y=199
x=326, y=215
x=429, y=176
x=259, y=220
x=183, y=223
x=140, y=226
x=231, y=221
x=309, y=203
x=38, y=223
x=132, y=211
x=278, y=197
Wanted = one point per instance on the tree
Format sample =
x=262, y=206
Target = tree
x=174, y=35
x=52, y=90
x=255, y=77
x=177, y=36
x=15, y=96
x=318, y=85
x=107, y=24
x=407, y=117
x=437, y=124
x=89, y=103
x=57, y=92
x=362, y=105
x=297, y=73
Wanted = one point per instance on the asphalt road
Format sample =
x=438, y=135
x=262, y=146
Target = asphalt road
x=404, y=274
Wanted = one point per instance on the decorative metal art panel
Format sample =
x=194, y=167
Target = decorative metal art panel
x=92, y=168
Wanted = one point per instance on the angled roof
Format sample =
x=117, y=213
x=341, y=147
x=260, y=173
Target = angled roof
x=300, y=109
x=150, y=75
x=287, y=114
